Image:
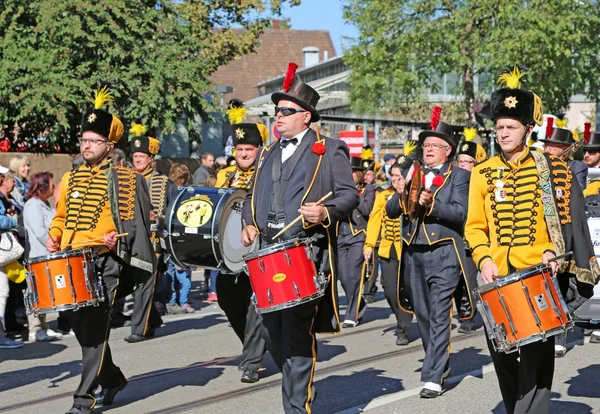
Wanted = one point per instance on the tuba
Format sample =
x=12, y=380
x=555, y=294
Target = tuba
x=410, y=197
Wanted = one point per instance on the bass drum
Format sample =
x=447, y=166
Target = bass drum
x=203, y=227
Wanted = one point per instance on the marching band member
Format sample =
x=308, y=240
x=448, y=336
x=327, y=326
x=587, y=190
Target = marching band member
x=291, y=176
x=560, y=140
x=145, y=319
x=350, y=240
x=469, y=155
x=85, y=215
x=234, y=292
x=432, y=260
x=522, y=210
x=390, y=247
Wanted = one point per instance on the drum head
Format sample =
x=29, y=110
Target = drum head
x=230, y=232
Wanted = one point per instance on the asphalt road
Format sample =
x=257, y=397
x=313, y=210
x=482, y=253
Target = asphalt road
x=191, y=366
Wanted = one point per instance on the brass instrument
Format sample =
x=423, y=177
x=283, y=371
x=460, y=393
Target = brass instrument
x=410, y=197
x=570, y=150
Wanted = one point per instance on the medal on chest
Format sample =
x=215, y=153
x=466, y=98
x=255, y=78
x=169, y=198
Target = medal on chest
x=75, y=194
x=500, y=194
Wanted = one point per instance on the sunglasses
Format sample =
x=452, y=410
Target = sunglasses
x=592, y=152
x=287, y=111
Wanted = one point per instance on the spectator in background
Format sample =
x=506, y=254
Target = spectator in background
x=21, y=165
x=382, y=181
x=207, y=168
x=37, y=216
x=221, y=162
x=388, y=161
x=8, y=221
x=180, y=175
x=117, y=155
x=6, y=189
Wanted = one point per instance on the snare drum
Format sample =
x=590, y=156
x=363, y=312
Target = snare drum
x=204, y=229
x=522, y=308
x=62, y=281
x=284, y=275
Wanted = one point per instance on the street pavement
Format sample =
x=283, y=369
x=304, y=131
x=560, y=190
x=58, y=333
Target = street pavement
x=191, y=367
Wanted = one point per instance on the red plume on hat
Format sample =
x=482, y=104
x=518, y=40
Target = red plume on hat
x=587, y=132
x=435, y=117
x=289, y=76
x=549, y=126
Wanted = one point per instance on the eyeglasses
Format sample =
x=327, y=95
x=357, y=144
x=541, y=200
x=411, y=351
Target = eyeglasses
x=592, y=152
x=287, y=111
x=435, y=146
x=92, y=142
x=466, y=162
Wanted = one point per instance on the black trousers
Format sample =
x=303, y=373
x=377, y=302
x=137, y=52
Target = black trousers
x=234, y=294
x=525, y=383
x=389, y=282
x=370, y=286
x=91, y=325
x=350, y=263
x=292, y=343
x=471, y=275
x=431, y=275
x=144, y=315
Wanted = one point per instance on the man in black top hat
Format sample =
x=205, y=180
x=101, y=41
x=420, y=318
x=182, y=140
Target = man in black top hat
x=560, y=140
x=351, y=238
x=291, y=176
x=434, y=253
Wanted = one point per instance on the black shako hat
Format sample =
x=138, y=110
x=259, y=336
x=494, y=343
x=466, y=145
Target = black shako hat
x=249, y=133
x=298, y=92
x=514, y=102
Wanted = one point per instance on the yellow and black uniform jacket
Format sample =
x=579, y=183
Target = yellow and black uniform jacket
x=97, y=200
x=593, y=188
x=380, y=225
x=235, y=177
x=519, y=210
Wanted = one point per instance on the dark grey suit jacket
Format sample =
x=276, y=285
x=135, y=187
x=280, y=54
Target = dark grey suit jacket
x=330, y=171
x=580, y=172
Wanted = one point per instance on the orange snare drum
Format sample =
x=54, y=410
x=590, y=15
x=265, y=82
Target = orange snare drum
x=522, y=308
x=62, y=281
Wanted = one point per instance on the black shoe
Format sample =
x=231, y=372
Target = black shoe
x=427, y=393
x=134, y=338
x=119, y=320
x=401, y=338
x=241, y=367
x=79, y=409
x=369, y=298
x=249, y=376
x=465, y=328
x=107, y=395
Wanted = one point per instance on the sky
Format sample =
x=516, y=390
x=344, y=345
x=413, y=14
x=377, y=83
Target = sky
x=321, y=15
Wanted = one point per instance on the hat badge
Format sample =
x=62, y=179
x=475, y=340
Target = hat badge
x=465, y=147
x=401, y=159
x=510, y=102
x=366, y=164
x=239, y=133
x=91, y=118
x=137, y=143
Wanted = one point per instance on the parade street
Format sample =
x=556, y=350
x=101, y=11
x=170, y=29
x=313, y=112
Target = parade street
x=191, y=366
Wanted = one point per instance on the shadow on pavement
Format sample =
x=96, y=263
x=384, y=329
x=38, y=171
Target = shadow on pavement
x=340, y=392
x=171, y=327
x=586, y=383
x=55, y=373
x=37, y=350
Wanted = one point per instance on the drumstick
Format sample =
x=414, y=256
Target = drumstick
x=297, y=219
x=93, y=240
x=246, y=229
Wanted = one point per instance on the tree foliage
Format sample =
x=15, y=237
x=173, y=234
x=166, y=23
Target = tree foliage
x=405, y=46
x=157, y=55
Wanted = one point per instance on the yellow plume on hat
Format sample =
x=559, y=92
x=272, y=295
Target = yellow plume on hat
x=575, y=134
x=470, y=133
x=512, y=79
x=367, y=153
x=409, y=147
x=101, y=96
x=137, y=129
x=264, y=132
x=561, y=122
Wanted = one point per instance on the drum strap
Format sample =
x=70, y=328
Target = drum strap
x=276, y=218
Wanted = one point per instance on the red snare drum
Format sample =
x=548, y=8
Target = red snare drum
x=62, y=281
x=283, y=275
x=522, y=308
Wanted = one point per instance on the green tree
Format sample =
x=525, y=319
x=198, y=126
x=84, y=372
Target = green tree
x=158, y=55
x=405, y=46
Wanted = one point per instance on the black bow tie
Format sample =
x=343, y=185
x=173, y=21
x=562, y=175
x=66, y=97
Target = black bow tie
x=436, y=171
x=285, y=142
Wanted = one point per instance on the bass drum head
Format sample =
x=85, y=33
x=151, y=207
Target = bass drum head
x=230, y=233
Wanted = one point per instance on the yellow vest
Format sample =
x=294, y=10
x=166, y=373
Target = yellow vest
x=380, y=225
x=232, y=176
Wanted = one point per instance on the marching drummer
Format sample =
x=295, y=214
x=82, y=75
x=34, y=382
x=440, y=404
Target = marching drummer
x=234, y=292
x=85, y=217
x=520, y=206
x=145, y=319
x=291, y=176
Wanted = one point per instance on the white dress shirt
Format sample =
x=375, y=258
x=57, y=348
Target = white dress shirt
x=288, y=151
x=430, y=176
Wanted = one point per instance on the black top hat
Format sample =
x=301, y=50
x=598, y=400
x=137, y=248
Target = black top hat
x=443, y=131
x=514, y=102
x=298, y=92
x=102, y=122
x=560, y=136
x=359, y=164
x=249, y=133
x=593, y=143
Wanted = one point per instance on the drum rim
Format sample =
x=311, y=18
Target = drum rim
x=292, y=303
x=278, y=247
x=510, y=278
x=84, y=251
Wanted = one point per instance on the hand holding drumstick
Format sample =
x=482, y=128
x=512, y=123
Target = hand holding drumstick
x=248, y=234
x=312, y=212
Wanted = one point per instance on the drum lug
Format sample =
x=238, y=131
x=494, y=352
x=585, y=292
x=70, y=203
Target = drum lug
x=308, y=250
x=287, y=259
x=317, y=282
x=270, y=297
x=253, y=299
x=261, y=266
x=70, y=273
x=296, y=290
x=508, y=315
x=50, y=288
